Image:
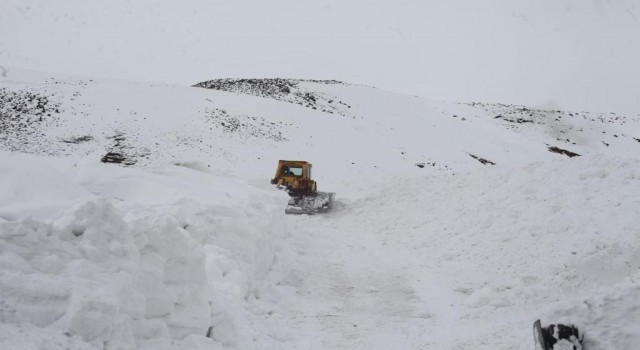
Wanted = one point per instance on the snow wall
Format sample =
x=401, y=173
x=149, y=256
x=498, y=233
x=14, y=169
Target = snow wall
x=98, y=256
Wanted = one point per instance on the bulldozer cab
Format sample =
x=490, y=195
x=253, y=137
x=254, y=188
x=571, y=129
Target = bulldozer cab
x=295, y=176
x=292, y=171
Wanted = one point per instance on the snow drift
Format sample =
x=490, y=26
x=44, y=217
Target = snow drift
x=470, y=261
x=124, y=259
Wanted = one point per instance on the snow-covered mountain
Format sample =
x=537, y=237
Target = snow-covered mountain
x=138, y=215
x=245, y=126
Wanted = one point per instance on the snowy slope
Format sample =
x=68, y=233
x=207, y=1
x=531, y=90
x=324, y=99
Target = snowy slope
x=456, y=226
x=468, y=261
x=357, y=130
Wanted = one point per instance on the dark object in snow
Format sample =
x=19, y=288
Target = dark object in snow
x=556, y=337
x=558, y=150
x=420, y=165
x=209, y=332
x=77, y=140
x=516, y=120
x=246, y=125
x=113, y=157
x=121, y=153
x=78, y=231
x=481, y=160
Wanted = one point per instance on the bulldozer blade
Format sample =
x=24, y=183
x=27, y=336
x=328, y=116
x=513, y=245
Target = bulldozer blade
x=310, y=204
x=538, y=337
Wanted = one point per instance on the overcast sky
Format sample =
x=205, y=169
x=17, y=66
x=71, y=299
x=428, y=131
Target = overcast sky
x=572, y=54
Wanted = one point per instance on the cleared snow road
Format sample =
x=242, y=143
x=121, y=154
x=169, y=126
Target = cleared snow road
x=358, y=288
x=469, y=261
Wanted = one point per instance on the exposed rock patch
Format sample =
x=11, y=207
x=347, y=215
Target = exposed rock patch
x=566, y=127
x=118, y=158
x=481, y=160
x=245, y=125
x=286, y=90
x=516, y=120
x=122, y=153
x=24, y=116
x=558, y=150
x=79, y=139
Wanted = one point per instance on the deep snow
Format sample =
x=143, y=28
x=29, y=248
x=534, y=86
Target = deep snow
x=132, y=259
x=427, y=247
x=468, y=261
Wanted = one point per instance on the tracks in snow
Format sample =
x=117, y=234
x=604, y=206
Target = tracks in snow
x=357, y=290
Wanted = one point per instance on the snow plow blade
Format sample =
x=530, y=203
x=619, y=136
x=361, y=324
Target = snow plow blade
x=557, y=337
x=538, y=337
x=310, y=204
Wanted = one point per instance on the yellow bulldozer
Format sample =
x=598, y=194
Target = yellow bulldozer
x=294, y=176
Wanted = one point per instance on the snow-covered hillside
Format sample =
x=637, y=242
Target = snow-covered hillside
x=243, y=127
x=135, y=215
x=469, y=261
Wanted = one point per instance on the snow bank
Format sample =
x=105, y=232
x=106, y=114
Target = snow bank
x=122, y=259
x=557, y=241
x=610, y=318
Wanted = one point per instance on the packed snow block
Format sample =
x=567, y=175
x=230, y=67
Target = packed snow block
x=150, y=328
x=199, y=342
x=82, y=283
x=122, y=335
x=26, y=336
x=103, y=233
x=26, y=295
x=224, y=272
x=139, y=271
x=32, y=298
x=10, y=261
x=224, y=329
x=165, y=238
x=91, y=316
x=132, y=302
x=159, y=300
x=175, y=278
x=186, y=270
x=190, y=317
x=193, y=342
x=245, y=233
